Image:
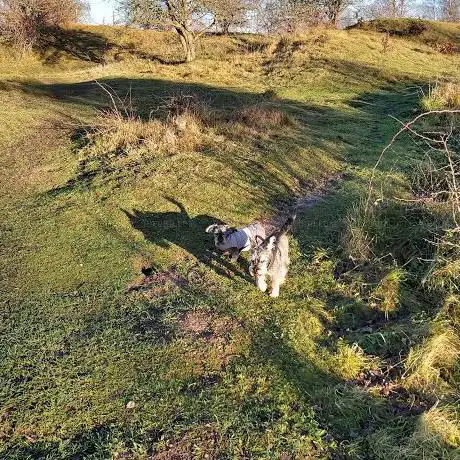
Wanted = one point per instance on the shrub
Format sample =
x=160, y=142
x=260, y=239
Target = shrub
x=428, y=180
x=399, y=27
x=22, y=22
x=446, y=48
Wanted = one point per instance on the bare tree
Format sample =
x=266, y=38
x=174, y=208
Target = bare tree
x=189, y=18
x=451, y=10
x=334, y=8
x=389, y=8
x=24, y=21
x=431, y=9
x=231, y=13
x=290, y=15
x=296, y=15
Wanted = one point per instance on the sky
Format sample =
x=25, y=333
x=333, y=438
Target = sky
x=101, y=11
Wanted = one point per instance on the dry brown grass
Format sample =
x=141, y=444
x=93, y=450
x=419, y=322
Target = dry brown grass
x=124, y=136
x=436, y=432
x=189, y=104
x=356, y=240
x=443, y=95
x=262, y=117
x=428, y=365
x=121, y=131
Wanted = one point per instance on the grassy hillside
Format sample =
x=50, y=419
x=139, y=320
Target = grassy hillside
x=124, y=336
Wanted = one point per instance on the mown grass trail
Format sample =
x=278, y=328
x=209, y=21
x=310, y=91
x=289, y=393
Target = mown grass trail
x=122, y=337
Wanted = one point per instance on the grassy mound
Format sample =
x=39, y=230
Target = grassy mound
x=443, y=36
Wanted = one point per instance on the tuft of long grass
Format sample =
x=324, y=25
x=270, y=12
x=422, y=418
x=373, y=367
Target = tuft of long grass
x=443, y=422
x=429, y=366
x=386, y=295
x=260, y=116
x=349, y=360
x=357, y=239
x=435, y=435
x=442, y=95
x=444, y=273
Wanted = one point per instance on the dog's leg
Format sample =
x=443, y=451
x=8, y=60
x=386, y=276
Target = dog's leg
x=261, y=282
x=235, y=254
x=275, y=289
x=277, y=281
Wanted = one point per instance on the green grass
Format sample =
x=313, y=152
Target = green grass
x=215, y=368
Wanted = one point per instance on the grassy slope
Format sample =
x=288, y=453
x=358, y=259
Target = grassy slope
x=214, y=366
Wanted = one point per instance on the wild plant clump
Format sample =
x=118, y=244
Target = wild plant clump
x=124, y=137
x=444, y=272
x=24, y=21
x=429, y=366
x=442, y=95
x=435, y=431
x=122, y=142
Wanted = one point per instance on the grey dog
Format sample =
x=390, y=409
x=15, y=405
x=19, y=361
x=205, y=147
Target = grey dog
x=270, y=259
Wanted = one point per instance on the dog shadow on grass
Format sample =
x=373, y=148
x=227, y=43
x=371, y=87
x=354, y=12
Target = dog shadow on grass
x=188, y=232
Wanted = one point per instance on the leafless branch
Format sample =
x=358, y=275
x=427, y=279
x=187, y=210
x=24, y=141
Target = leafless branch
x=406, y=127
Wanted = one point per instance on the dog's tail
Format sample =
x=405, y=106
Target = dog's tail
x=288, y=224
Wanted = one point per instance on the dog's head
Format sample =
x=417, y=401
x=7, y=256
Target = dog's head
x=262, y=254
x=221, y=234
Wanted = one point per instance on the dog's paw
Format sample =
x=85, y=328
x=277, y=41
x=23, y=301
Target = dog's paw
x=235, y=256
x=275, y=293
x=262, y=285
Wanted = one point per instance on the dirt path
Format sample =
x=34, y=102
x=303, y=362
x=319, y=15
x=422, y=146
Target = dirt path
x=306, y=201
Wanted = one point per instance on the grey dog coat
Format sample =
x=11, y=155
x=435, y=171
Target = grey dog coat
x=243, y=238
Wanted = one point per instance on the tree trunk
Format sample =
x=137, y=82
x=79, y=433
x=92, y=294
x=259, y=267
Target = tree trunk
x=333, y=17
x=188, y=43
x=225, y=25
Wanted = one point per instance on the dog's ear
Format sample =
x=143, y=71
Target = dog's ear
x=259, y=240
x=212, y=228
x=271, y=240
x=217, y=228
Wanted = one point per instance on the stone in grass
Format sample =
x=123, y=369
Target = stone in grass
x=130, y=405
